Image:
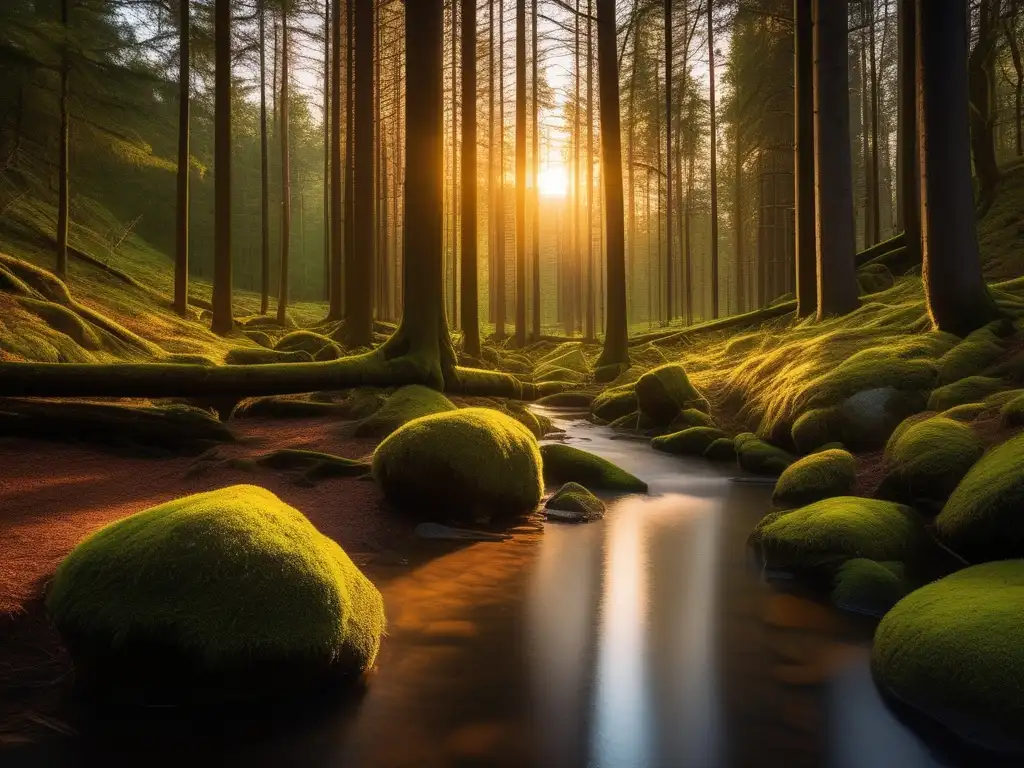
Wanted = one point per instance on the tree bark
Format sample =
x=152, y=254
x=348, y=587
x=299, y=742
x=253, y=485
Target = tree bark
x=222, y=320
x=1010, y=29
x=455, y=167
x=910, y=177
x=500, y=309
x=876, y=213
x=520, y=337
x=631, y=142
x=181, y=231
x=350, y=229
x=536, y=179
x=470, y=292
x=360, y=263
x=837, y=278
x=327, y=153
x=957, y=297
x=337, y=192
x=63, y=149
x=616, y=348
x=669, y=313
x=713, y=176
x=803, y=92
x=264, y=170
x=286, y=180
x=981, y=68
x=589, y=329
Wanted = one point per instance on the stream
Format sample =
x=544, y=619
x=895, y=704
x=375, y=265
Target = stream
x=646, y=640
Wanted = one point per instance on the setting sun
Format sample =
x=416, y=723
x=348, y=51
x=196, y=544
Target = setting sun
x=553, y=181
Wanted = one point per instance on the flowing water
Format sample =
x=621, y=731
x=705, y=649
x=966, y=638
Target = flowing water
x=647, y=640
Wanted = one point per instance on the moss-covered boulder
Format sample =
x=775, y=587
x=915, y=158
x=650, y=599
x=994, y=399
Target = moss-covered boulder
x=567, y=400
x=1011, y=414
x=974, y=354
x=663, y=392
x=688, y=442
x=862, y=372
x=572, y=503
x=817, y=427
x=462, y=465
x=400, y=408
x=761, y=458
x=691, y=417
x=965, y=413
x=968, y=390
x=230, y=594
x=723, y=449
x=866, y=586
x=818, y=476
x=306, y=341
x=565, y=375
x=984, y=517
x=952, y=650
x=565, y=464
x=261, y=356
x=829, y=532
x=615, y=402
x=570, y=356
x=538, y=425
x=926, y=460
x=870, y=416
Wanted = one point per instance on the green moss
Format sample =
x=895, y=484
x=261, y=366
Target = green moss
x=870, y=416
x=927, y=459
x=971, y=356
x=817, y=427
x=691, y=417
x=306, y=341
x=460, y=464
x=1012, y=413
x=982, y=518
x=630, y=421
x=567, y=400
x=647, y=356
x=574, y=503
x=829, y=532
x=183, y=358
x=572, y=359
x=252, y=356
x=953, y=651
x=614, y=402
x=688, y=442
x=260, y=338
x=527, y=418
x=403, y=406
x=64, y=321
x=761, y=458
x=565, y=464
x=330, y=352
x=818, y=476
x=968, y=390
x=225, y=586
x=607, y=373
x=866, y=586
x=314, y=465
x=967, y=412
x=555, y=373
x=723, y=449
x=285, y=407
x=663, y=392
x=862, y=372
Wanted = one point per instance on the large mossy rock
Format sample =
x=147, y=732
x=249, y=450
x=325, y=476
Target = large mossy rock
x=926, y=460
x=952, y=650
x=691, y=417
x=984, y=517
x=567, y=400
x=230, y=594
x=572, y=503
x=817, y=476
x=755, y=455
x=614, y=403
x=826, y=533
x=869, y=587
x=306, y=341
x=400, y=408
x=967, y=390
x=461, y=465
x=664, y=392
x=566, y=464
x=863, y=421
x=723, y=449
x=974, y=354
x=688, y=442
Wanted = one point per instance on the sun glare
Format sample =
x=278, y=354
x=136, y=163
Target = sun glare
x=553, y=181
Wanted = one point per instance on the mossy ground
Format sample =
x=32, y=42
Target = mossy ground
x=400, y=408
x=565, y=464
x=228, y=593
x=815, y=477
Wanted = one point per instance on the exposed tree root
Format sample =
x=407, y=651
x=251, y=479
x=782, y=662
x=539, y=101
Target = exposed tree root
x=879, y=249
x=756, y=317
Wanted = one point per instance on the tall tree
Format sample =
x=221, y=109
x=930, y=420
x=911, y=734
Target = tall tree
x=589, y=331
x=669, y=314
x=63, y=194
x=833, y=172
x=713, y=177
x=455, y=168
x=360, y=263
x=876, y=213
x=337, y=194
x=958, y=299
x=222, y=320
x=470, y=293
x=264, y=169
x=286, y=170
x=181, y=230
x=616, y=349
x=1010, y=29
x=910, y=199
x=500, y=309
x=536, y=178
x=981, y=67
x=520, y=337
x=327, y=152
x=350, y=227
x=803, y=201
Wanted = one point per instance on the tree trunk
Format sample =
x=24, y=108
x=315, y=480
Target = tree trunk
x=577, y=258
x=688, y=240
x=264, y=170
x=286, y=180
x=837, y=278
x=520, y=337
x=222, y=320
x=500, y=309
x=470, y=293
x=327, y=153
x=910, y=177
x=862, y=81
x=631, y=142
x=713, y=176
x=360, y=263
x=63, y=192
x=589, y=330
x=669, y=313
x=337, y=192
x=181, y=233
x=615, y=339
x=803, y=92
x=536, y=179
x=876, y=213
x=981, y=68
x=1010, y=29
x=958, y=300
x=455, y=167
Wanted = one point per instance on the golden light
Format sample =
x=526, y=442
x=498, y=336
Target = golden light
x=553, y=181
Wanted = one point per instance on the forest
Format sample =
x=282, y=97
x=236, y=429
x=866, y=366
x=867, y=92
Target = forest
x=519, y=382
